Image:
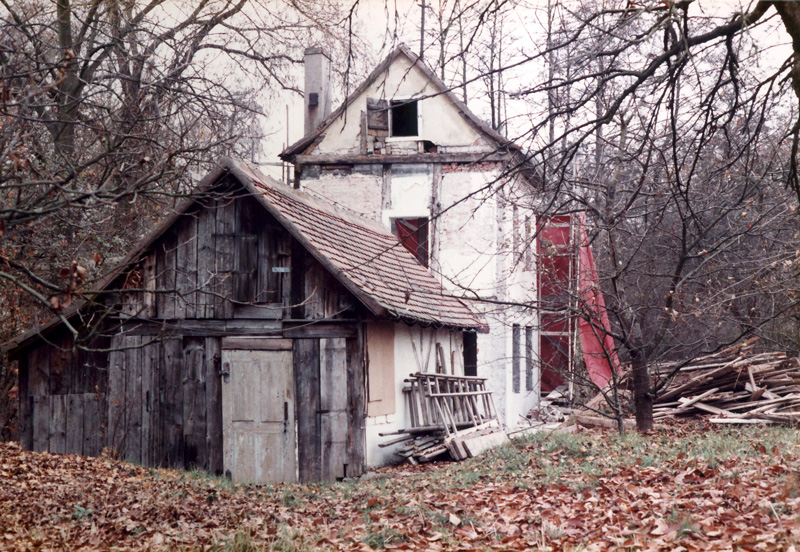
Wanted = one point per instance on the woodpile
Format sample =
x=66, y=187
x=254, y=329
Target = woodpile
x=736, y=386
x=454, y=414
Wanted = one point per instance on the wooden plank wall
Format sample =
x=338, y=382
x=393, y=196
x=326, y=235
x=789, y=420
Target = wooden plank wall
x=164, y=406
x=216, y=260
x=306, y=370
x=219, y=262
x=329, y=383
x=153, y=394
x=62, y=393
x=334, y=425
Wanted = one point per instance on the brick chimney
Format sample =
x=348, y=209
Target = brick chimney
x=317, y=101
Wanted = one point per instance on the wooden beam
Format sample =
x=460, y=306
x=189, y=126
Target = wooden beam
x=257, y=343
x=306, y=376
x=339, y=159
x=202, y=328
x=319, y=330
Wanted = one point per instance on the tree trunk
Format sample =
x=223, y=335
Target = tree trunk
x=642, y=393
x=63, y=130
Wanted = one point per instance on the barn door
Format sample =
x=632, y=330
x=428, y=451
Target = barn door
x=258, y=412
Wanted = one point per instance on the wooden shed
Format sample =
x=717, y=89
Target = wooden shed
x=234, y=339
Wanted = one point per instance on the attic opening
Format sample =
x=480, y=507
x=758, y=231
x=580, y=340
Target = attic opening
x=413, y=234
x=404, y=118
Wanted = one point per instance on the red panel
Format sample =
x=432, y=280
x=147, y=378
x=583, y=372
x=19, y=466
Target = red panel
x=554, y=235
x=557, y=258
x=554, y=274
x=554, y=322
x=554, y=355
x=407, y=233
x=413, y=234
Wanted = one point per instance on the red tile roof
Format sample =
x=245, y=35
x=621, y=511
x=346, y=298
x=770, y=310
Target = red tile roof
x=366, y=258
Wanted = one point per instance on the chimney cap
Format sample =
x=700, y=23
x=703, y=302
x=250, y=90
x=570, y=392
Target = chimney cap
x=316, y=50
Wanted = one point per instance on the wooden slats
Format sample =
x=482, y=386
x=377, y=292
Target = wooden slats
x=444, y=409
x=736, y=385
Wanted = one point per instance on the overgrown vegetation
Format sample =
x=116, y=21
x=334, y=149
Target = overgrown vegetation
x=686, y=486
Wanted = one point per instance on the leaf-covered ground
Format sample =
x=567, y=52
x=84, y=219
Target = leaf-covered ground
x=682, y=488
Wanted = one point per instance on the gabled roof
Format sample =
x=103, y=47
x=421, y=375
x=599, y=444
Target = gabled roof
x=364, y=256
x=303, y=144
x=361, y=254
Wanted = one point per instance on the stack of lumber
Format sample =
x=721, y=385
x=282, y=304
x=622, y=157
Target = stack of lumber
x=448, y=413
x=736, y=386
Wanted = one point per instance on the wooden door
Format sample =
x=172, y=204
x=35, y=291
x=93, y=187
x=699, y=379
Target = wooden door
x=258, y=414
x=334, y=424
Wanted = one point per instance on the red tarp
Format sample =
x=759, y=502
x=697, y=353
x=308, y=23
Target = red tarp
x=599, y=351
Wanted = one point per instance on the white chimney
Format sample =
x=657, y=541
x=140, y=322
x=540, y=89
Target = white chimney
x=317, y=99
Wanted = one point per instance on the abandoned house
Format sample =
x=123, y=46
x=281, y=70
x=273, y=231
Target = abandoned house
x=258, y=331
x=404, y=151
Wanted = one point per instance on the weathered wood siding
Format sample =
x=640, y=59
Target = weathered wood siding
x=164, y=401
x=329, y=383
x=152, y=391
x=62, y=397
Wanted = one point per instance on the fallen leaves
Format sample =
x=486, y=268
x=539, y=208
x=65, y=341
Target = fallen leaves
x=596, y=491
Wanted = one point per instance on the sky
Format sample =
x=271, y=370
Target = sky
x=380, y=24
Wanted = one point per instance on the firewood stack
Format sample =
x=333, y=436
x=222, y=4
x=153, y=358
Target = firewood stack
x=736, y=386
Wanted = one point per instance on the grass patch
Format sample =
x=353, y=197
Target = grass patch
x=378, y=540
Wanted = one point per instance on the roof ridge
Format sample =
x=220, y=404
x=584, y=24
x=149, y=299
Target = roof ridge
x=416, y=61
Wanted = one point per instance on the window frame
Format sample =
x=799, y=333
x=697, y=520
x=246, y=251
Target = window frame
x=403, y=104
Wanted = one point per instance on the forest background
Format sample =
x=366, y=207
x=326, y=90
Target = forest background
x=673, y=126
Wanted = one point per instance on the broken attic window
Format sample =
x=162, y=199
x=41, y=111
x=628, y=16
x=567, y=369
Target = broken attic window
x=413, y=234
x=404, y=118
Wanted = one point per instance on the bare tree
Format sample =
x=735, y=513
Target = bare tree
x=107, y=108
x=678, y=153
x=674, y=126
x=107, y=111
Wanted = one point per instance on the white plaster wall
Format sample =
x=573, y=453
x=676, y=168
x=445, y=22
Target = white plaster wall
x=467, y=232
x=358, y=193
x=414, y=351
x=439, y=120
x=522, y=269
x=410, y=195
x=473, y=251
x=520, y=289
x=476, y=251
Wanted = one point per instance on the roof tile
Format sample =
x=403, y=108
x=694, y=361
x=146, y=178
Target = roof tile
x=366, y=254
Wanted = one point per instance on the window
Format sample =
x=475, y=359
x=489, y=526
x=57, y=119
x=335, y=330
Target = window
x=528, y=358
x=515, y=356
x=470, y=354
x=402, y=114
x=404, y=118
x=413, y=234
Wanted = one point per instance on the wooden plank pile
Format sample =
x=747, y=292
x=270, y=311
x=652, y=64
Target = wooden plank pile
x=736, y=385
x=454, y=414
